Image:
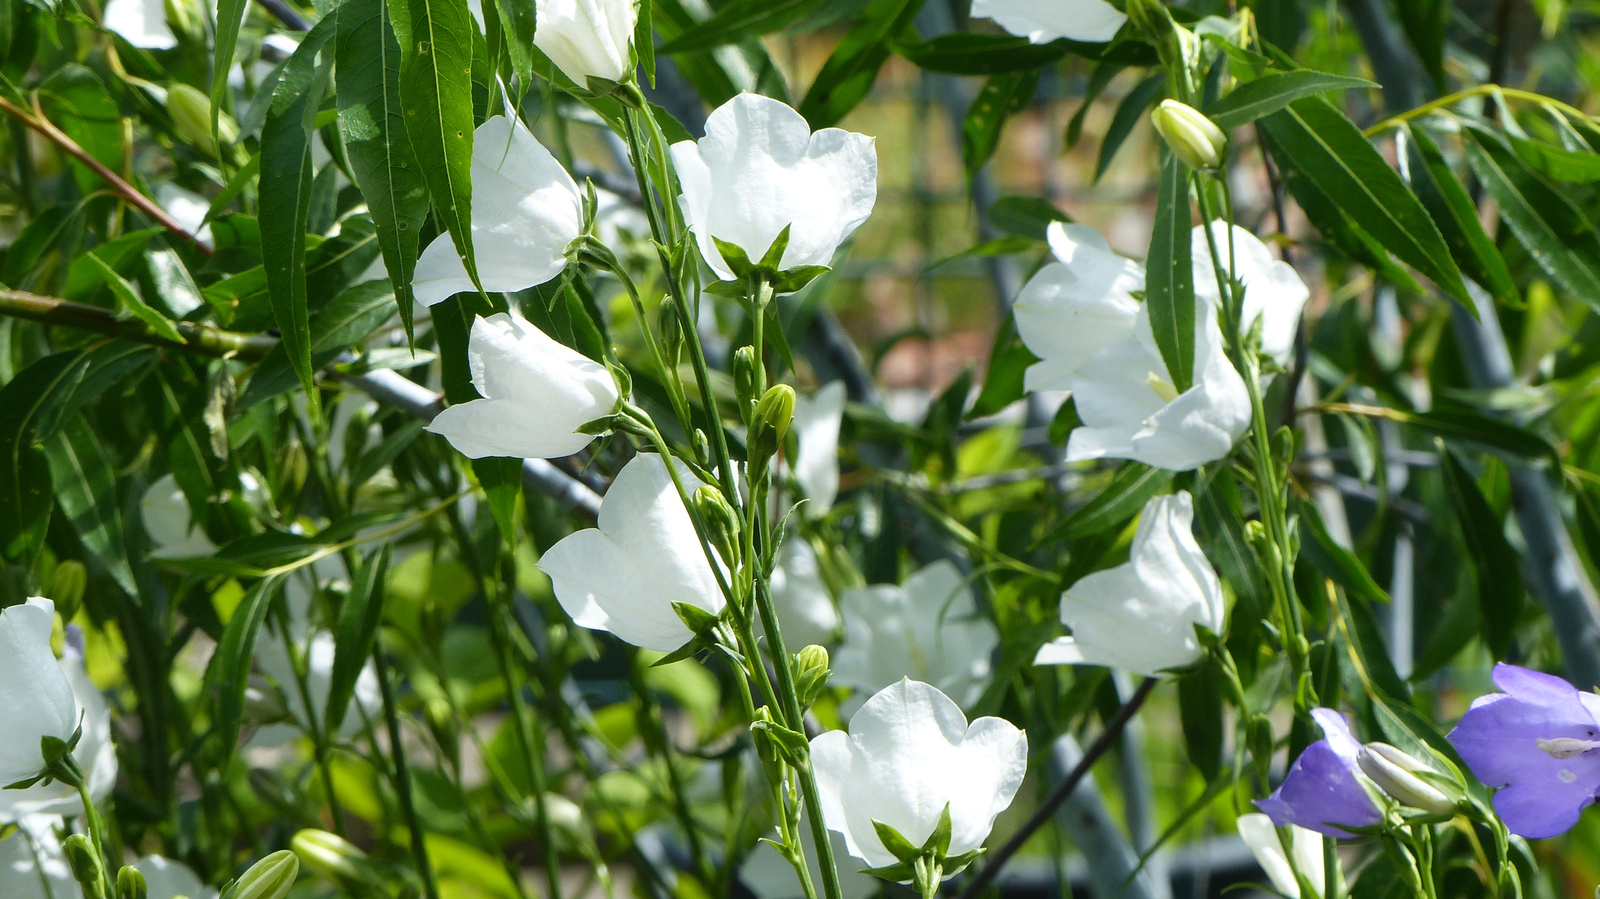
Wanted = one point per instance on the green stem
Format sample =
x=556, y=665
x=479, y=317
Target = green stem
x=653, y=729
x=200, y=339
x=94, y=824
x=1481, y=90
x=402, y=777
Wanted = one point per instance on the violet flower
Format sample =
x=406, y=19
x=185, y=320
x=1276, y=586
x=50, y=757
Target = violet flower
x=1323, y=791
x=1536, y=743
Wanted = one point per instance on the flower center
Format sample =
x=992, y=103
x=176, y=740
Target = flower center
x=1566, y=747
x=1161, y=387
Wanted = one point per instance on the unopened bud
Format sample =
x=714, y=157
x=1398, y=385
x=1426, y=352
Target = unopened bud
x=722, y=523
x=811, y=673
x=744, y=380
x=1395, y=773
x=762, y=737
x=329, y=856
x=1195, y=139
x=191, y=118
x=67, y=585
x=769, y=426
x=669, y=324
x=184, y=17
x=87, y=868
x=131, y=885
x=270, y=878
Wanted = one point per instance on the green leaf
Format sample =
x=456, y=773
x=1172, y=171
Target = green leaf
x=1496, y=565
x=228, y=672
x=1425, y=23
x=1335, y=562
x=86, y=492
x=853, y=66
x=1272, y=92
x=129, y=302
x=435, y=38
x=1003, y=384
x=1559, y=163
x=1133, y=486
x=27, y=403
x=1344, y=234
x=1029, y=217
x=1064, y=422
x=230, y=15
x=374, y=131
x=1130, y=112
x=517, y=24
x=1200, y=712
x=1476, y=429
x=740, y=20
x=963, y=53
x=1317, y=140
x=1002, y=97
x=286, y=194
x=1556, y=233
x=1457, y=217
x=1169, y=288
x=345, y=322
x=355, y=635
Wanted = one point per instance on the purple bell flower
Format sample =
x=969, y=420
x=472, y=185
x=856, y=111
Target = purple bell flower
x=1536, y=743
x=1323, y=791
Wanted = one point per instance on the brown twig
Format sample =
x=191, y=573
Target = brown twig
x=127, y=191
x=1042, y=815
x=198, y=338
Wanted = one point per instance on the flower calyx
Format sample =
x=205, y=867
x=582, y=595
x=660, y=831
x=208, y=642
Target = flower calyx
x=923, y=866
x=750, y=278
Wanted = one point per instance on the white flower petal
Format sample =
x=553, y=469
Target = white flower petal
x=36, y=869
x=34, y=691
x=805, y=609
x=588, y=37
x=95, y=752
x=817, y=419
x=167, y=879
x=142, y=23
x=1043, y=21
x=1273, y=290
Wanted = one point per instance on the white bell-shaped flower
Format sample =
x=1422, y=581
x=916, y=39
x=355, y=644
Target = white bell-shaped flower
x=1273, y=291
x=908, y=755
x=624, y=576
x=272, y=656
x=1140, y=615
x=536, y=393
x=817, y=419
x=1076, y=305
x=588, y=38
x=95, y=752
x=167, y=879
x=805, y=608
x=32, y=864
x=759, y=169
x=525, y=211
x=1043, y=21
x=35, y=692
x=142, y=23
x=1259, y=833
x=169, y=524
x=929, y=629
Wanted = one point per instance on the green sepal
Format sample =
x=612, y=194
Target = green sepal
x=686, y=651
x=738, y=261
x=898, y=845
x=697, y=619
x=791, y=744
x=792, y=280
x=773, y=258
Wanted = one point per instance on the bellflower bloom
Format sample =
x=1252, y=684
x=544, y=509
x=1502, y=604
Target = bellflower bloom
x=35, y=693
x=624, y=576
x=1273, y=291
x=1324, y=790
x=525, y=211
x=536, y=393
x=95, y=752
x=759, y=169
x=805, y=608
x=272, y=655
x=167, y=879
x=588, y=38
x=142, y=23
x=817, y=419
x=1261, y=835
x=168, y=523
x=928, y=628
x=32, y=864
x=1140, y=615
x=909, y=753
x=1537, y=744
x=1043, y=21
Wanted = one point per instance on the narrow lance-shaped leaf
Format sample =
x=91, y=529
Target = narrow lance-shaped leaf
x=1495, y=564
x=230, y=15
x=355, y=636
x=1122, y=499
x=1003, y=96
x=1270, y=93
x=517, y=24
x=1317, y=140
x=435, y=38
x=742, y=19
x=86, y=492
x=130, y=303
x=228, y=672
x=1169, y=286
x=1457, y=216
x=374, y=130
x=853, y=66
x=26, y=401
x=286, y=193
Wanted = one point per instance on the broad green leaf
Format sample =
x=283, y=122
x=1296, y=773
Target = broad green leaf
x=1457, y=217
x=1556, y=233
x=86, y=493
x=129, y=302
x=1002, y=97
x=230, y=15
x=1169, y=286
x=1344, y=234
x=1130, y=112
x=28, y=401
x=1133, y=486
x=374, y=130
x=1200, y=712
x=228, y=672
x=345, y=322
x=1426, y=23
x=286, y=194
x=1496, y=565
x=517, y=23
x=1336, y=563
x=853, y=66
x=740, y=20
x=355, y=635
x=1272, y=92
x=1317, y=140
x=435, y=38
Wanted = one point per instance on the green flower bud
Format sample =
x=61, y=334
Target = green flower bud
x=722, y=523
x=1196, y=140
x=329, y=856
x=131, y=885
x=744, y=380
x=185, y=18
x=191, y=117
x=66, y=587
x=1395, y=772
x=811, y=673
x=669, y=324
x=270, y=878
x=769, y=426
x=87, y=868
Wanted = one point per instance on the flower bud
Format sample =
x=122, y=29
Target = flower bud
x=769, y=426
x=669, y=324
x=722, y=523
x=86, y=865
x=811, y=673
x=744, y=380
x=191, y=118
x=270, y=878
x=329, y=856
x=184, y=17
x=131, y=884
x=67, y=584
x=1395, y=773
x=1196, y=140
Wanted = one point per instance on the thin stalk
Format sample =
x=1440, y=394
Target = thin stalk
x=402, y=778
x=206, y=341
x=654, y=731
x=1482, y=90
x=319, y=734
x=94, y=824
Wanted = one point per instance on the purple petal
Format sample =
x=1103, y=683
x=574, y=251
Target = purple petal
x=1322, y=793
x=1533, y=686
x=1337, y=731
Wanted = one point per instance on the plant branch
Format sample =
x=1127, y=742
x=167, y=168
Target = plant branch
x=202, y=339
x=1047, y=809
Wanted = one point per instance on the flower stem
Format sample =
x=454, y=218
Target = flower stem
x=402, y=777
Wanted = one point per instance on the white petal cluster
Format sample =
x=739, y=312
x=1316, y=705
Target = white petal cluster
x=929, y=628
x=34, y=690
x=95, y=752
x=1043, y=21
x=525, y=211
x=909, y=753
x=759, y=169
x=536, y=393
x=1140, y=615
x=1259, y=833
x=624, y=576
x=1080, y=315
x=587, y=38
x=817, y=419
x=142, y=23
x=32, y=865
